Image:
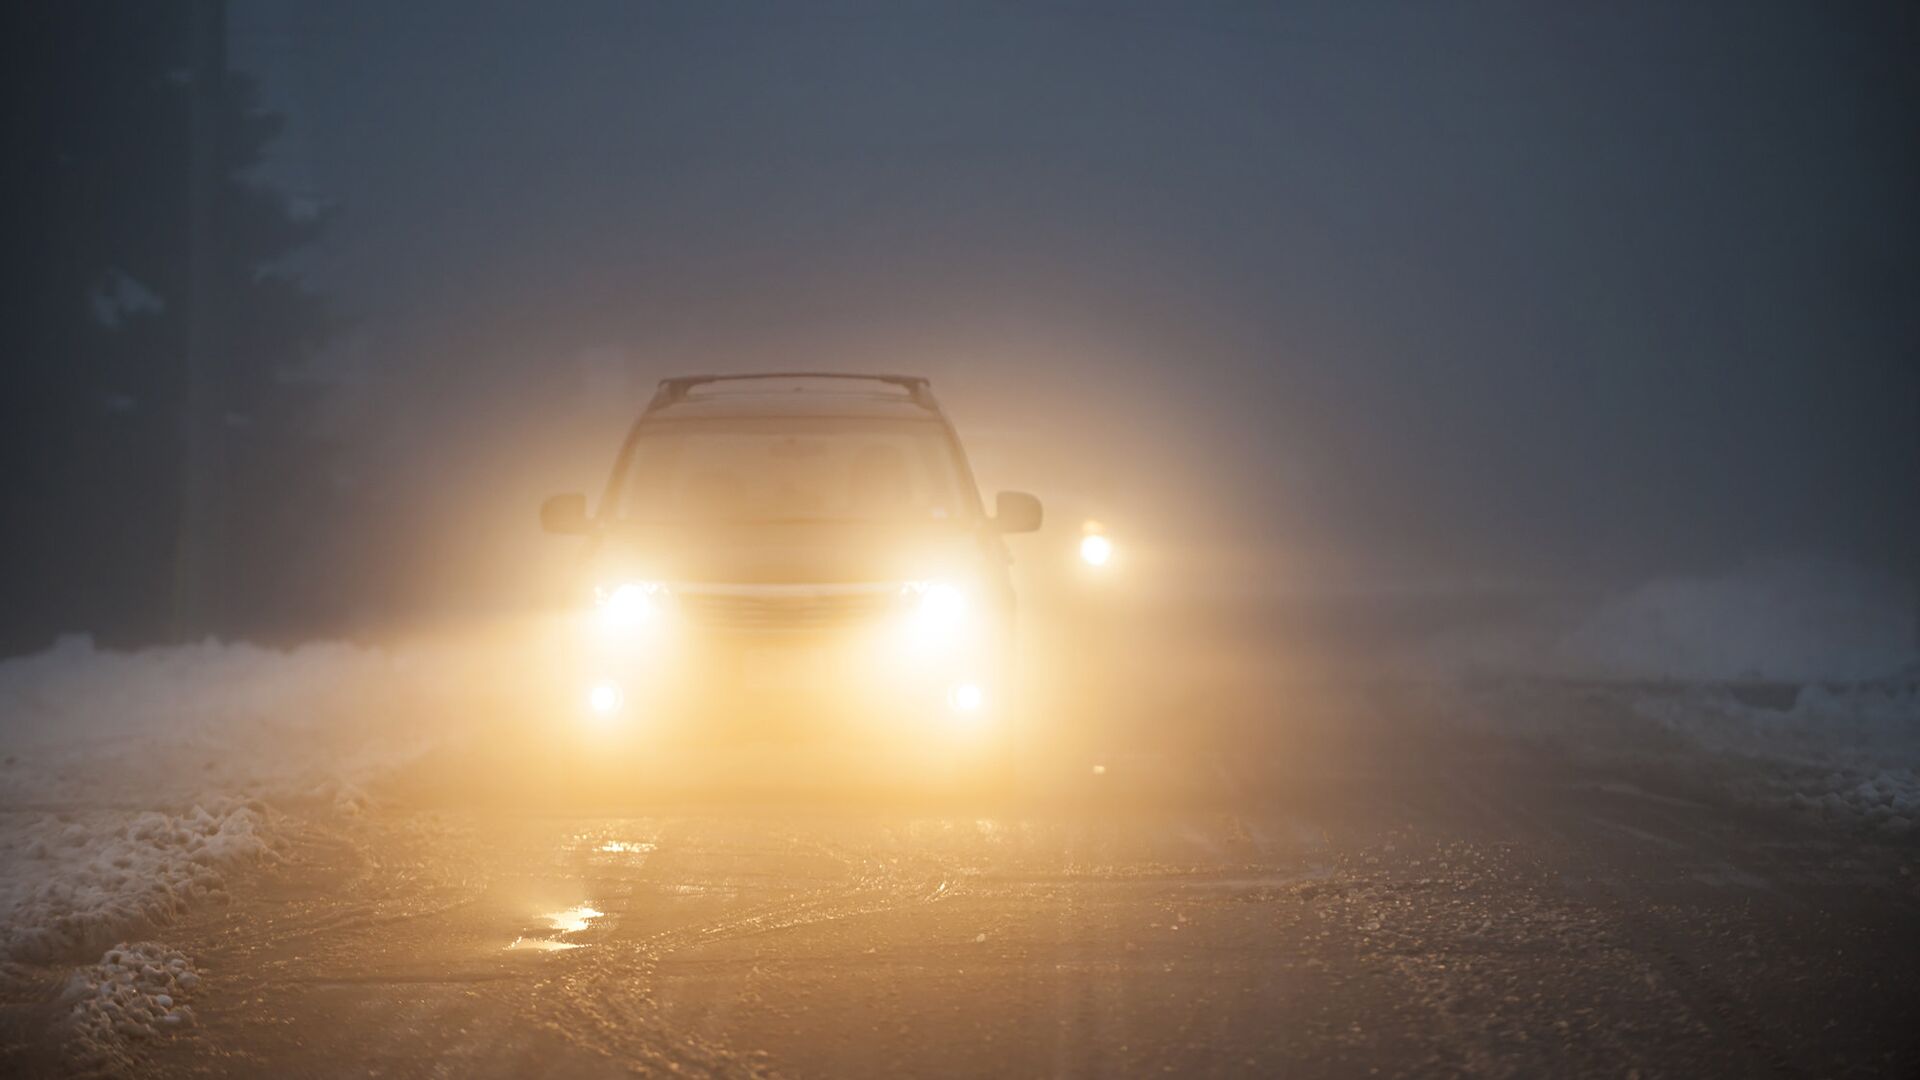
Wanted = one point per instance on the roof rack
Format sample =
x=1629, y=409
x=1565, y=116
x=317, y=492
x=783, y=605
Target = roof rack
x=674, y=390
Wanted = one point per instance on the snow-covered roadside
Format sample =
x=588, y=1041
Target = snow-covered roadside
x=76, y=882
x=1791, y=684
x=86, y=727
x=135, y=991
x=135, y=786
x=1846, y=755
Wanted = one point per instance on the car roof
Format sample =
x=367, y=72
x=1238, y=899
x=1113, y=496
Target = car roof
x=735, y=406
x=794, y=393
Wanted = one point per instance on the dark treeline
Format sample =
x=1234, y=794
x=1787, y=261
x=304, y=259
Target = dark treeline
x=100, y=301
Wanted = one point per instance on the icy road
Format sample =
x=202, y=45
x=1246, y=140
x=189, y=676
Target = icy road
x=1361, y=890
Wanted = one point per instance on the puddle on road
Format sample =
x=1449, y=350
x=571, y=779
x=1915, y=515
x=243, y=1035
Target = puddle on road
x=526, y=944
x=573, y=920
x=569, y=921
x=607, y=842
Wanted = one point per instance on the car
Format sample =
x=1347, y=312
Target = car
x=798, y=556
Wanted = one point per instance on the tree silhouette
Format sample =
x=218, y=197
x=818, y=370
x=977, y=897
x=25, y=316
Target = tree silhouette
x=97, y=300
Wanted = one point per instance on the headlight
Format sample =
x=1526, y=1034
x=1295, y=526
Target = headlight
x=935, y=605
x=966, y=697
x=604, y=698
x=1095, y=549
x=629, y=603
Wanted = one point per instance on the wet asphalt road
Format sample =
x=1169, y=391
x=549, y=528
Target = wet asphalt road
x=1366, y=894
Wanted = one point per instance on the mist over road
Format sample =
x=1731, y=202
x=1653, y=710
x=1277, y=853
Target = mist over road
x=1473, y=627
x=1236, y=842
x=1364, y=887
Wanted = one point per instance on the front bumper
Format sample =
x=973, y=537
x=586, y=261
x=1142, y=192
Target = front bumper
x=874, y=680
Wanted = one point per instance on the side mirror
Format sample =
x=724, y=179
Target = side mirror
x=566, y=515
x=1016, y=512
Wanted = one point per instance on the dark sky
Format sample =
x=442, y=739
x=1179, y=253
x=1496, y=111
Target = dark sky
x=1411, y=291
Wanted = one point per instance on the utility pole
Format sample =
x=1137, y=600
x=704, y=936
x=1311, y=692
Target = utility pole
x=200, y=542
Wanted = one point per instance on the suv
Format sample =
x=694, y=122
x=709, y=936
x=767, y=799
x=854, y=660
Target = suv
x=797, y=553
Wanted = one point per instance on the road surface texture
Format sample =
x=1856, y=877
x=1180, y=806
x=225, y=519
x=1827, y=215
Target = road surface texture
x=1360, y=890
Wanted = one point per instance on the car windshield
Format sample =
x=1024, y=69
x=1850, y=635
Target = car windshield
x=775, y=470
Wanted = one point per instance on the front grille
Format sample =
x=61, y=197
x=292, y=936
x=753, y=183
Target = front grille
x=778, y=608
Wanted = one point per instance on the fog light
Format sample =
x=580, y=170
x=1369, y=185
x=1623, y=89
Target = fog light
x=605, y=698
x=966, y=697
x=1095, y=549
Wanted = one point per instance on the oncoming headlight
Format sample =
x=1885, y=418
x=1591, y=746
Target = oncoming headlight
x=629, y=603
x=1095, y=549
x=935, y=605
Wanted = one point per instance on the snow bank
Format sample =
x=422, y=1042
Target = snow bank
x=135, y=991
x=1849, y=754
x=1673, y=671
x=130, y=783
x=80, y=725
x=134, y=787
x=77, y=882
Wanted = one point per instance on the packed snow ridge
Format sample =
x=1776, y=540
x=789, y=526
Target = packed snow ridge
x=77, y=882
x=1797, y=683
x=1847, y=754
x=84, y=726
x=134, y=787
x=136, y=991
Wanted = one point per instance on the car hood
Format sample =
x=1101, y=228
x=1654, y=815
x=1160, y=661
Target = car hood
x=789, y=554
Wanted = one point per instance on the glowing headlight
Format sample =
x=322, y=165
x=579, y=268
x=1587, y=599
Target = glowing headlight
x=1096, y=550
x=605, y=698
x=966, y=697
x=629, y=602
x=935, y=605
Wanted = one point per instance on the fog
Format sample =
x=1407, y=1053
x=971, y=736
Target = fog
x=1481, y=301
x=1500, y=421
x=1479, y=296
